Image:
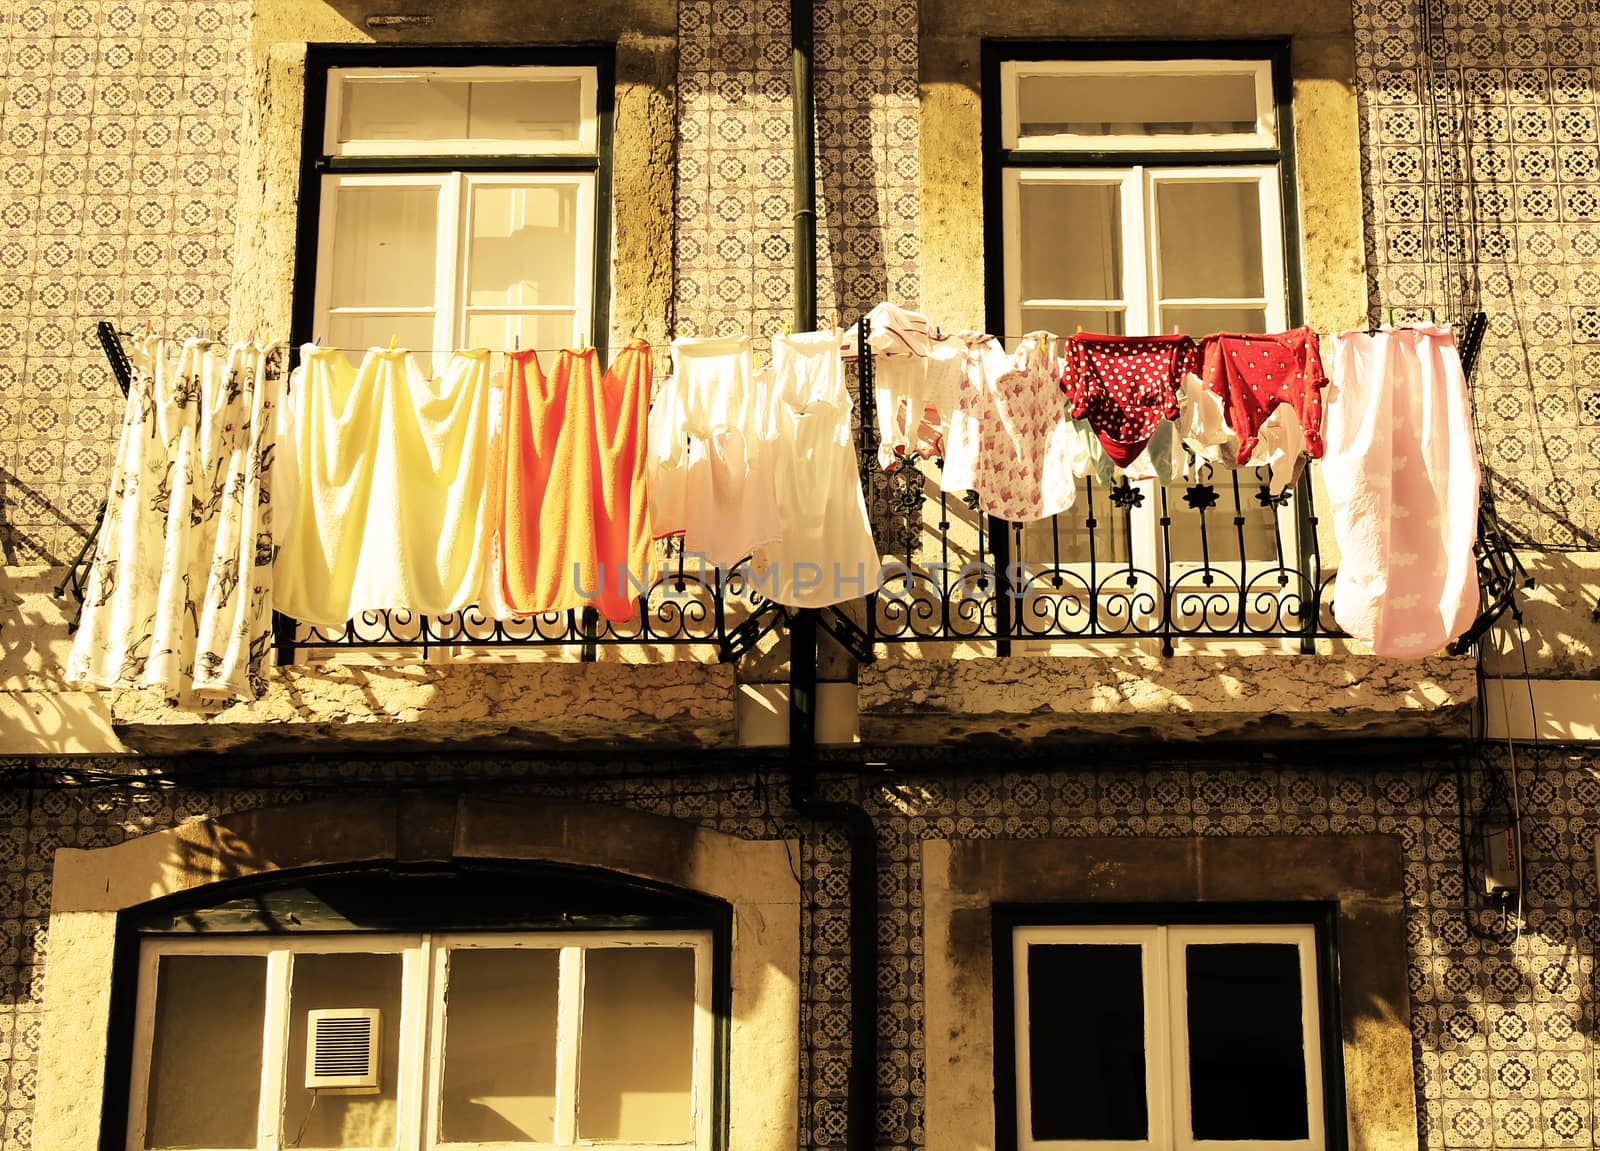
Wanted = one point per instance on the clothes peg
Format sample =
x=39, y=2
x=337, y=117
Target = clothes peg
x=786, y=327
x=149, y=327
x=516, y=342
x=1391, y=315
x=1080, y=329
x=393, y=340
x=1175, y=330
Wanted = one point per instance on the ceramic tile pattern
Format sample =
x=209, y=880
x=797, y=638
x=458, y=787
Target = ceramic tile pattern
x=116, y=202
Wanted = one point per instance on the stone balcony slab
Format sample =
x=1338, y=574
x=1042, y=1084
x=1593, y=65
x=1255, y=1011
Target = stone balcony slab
x=311, y=707
x=1137, y=696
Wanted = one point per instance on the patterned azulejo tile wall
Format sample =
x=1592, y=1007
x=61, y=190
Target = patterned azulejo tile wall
x=117, y=193
x=1479, y=134
x=1503, y=1023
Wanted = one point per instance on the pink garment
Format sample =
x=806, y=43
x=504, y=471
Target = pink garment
x=1009, y=437
x=1402, y=475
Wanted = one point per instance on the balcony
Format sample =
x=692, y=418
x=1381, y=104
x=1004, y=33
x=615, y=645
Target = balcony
x=1193, y=609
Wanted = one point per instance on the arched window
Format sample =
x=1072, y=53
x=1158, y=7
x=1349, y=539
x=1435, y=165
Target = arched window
x=463, y=1005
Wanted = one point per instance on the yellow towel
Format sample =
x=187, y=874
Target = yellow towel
x=391, y=470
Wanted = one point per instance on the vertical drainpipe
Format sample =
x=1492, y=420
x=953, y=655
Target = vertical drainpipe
x=861, y=1093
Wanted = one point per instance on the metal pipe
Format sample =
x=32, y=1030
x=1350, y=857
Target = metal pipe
x=861, y=1092
x=801, y=18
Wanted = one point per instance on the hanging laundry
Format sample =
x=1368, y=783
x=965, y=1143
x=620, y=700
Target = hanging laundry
x=179, y=593
x=710, y=480
x=573, y=523
x=900, y=341
x=825, y=553
x=1402, y=475
x=1125, y=385
x=1010, y=440
x=1269, y=392
x=392, y=475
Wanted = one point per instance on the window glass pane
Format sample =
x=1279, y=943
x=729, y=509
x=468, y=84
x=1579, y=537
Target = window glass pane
x=545, y=332
x=526, y=110
x=500, y=1046
x=356, y=334
x=1067, y=535
x=403, y=108
x=322, y=1119
x=1066, y=321
x=205, y=1066
x=1071, y=241
x=636, y=1062
x=429, y=109
x=385, y=246
x=1247, y=1063
x=1086, y=1057
x=1136, y=104
x=523, y=247
x=1210, y=234
x=1197, y=322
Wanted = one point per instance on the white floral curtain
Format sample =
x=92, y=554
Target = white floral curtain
x=179, y=594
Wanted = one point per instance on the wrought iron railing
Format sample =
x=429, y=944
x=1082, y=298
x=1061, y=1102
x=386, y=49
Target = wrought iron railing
x=1217, y=556
x=687, y=605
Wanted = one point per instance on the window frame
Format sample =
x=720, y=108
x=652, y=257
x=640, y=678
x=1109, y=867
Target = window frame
x=1137, y=170
x=1139, y=923
x=1015, y=68
x=420, y=1032
x=561, y=162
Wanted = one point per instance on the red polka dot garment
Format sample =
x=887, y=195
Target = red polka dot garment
x=1126, y=385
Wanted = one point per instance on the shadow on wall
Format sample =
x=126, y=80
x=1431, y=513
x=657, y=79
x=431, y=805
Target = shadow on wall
x=22, y=505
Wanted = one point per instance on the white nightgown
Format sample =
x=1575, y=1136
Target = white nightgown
x=710, y=481
x=826, y=554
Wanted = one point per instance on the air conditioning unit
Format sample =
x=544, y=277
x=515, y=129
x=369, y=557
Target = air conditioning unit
x=342, y=1048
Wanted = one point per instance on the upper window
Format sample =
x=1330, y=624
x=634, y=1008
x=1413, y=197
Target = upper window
x=1142, y=190
x=457, y=206
x=1141, y=197
x=1165, y=1036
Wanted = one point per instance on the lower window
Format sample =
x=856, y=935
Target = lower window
x=1164, y=1036
x=424, y=1041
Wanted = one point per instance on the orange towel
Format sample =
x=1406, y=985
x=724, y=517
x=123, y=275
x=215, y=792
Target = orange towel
x=573, y=523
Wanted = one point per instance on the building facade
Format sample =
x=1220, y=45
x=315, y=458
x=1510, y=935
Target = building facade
x=859, y=861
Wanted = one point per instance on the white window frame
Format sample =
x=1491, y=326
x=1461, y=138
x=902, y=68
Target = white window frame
x=452, y=253
x=1265, y=135
x=1141, y=302
x=587, y=143
x=1166, y=1030
x=421, y=1028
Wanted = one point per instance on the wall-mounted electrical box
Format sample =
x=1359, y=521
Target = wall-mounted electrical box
x=1502, y=863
